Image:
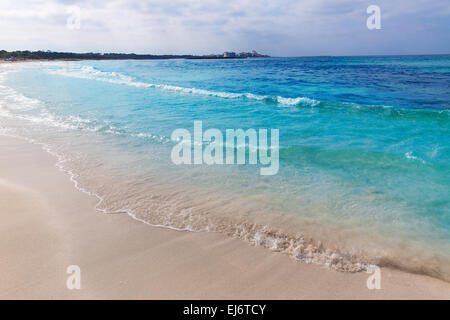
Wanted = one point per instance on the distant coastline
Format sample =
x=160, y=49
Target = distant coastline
x=52, y=55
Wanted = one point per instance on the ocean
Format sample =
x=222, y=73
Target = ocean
x=364, y=149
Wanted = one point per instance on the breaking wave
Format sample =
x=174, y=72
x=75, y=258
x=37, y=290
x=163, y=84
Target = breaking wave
x=88, y=72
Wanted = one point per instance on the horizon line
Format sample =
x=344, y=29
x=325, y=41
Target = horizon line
x=208, y=54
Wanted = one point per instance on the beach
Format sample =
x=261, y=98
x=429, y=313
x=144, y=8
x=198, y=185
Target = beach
x=200, y=156
x=47, y=225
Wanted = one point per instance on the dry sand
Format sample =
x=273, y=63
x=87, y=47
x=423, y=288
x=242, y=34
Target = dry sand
x=47, y=225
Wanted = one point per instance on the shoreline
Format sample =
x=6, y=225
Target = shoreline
x=121, y=257
x=306, y=247
x=300, y=248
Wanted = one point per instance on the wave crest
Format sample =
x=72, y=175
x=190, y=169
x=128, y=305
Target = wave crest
x=88, y=72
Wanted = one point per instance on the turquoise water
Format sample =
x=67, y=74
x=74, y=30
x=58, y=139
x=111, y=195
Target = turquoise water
x=364, y=149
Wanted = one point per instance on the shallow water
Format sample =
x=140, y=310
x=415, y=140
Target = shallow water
x=364, y=150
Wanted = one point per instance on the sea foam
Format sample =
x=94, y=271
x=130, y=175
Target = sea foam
x=91, y=73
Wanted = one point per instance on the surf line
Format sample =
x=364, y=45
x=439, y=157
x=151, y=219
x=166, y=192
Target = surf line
x=208, y=147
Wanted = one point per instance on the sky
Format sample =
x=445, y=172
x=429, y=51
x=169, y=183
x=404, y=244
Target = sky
x=277, y=28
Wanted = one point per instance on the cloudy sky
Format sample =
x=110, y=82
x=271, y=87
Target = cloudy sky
x=275, y=27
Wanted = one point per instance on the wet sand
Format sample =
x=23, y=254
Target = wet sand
x=47, y=225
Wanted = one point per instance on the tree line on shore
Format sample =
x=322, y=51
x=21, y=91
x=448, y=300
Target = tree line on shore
x=52, y=55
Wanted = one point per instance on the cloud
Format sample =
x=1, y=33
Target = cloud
x=278, y=27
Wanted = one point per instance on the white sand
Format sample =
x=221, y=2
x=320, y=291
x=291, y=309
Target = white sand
x=47, y=225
